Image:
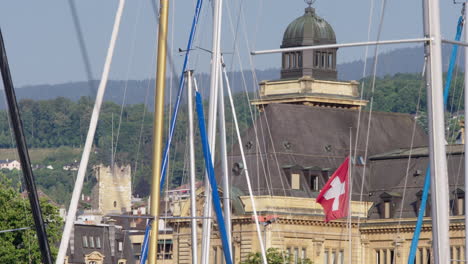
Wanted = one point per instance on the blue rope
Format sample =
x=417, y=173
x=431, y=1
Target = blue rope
x=453, y=59
x=212, y=179
x=144, y=249
x=179, y=95
x=427, y=180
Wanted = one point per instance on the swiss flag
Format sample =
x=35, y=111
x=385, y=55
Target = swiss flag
x=334, y=196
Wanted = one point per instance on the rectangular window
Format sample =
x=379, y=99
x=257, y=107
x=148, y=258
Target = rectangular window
x=330, y=60
x=85, y=241
x=323, y=60
x=291, y=55
x=314, y=183
x=120, y=247
x=294, y=62
x=386, y=209
x=215, y=251
x=341, y=257
x=299, y=59
x=286, y=60
x=316, y=59
x=333, y=257
x=296, y=255
x=460, y=205
x=98, y=242
x=295, y=181
x=303, y=255
x=91, y=242
x=325, y=257
x=377, y=256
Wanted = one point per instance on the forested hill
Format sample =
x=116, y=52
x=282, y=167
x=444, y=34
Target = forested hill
x=407, y=60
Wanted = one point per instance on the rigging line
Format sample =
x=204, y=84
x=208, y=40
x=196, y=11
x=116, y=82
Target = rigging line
x=145, y=106
x=22, y=147
x=241, y=148
x=14, y=230
x=82, y=44
x=374, y=72
x=130, y=64
x=254, y=82
x=212, y=179
x=25, y=211
x=179, y=92
x=89, y=139
x=418, y=105
x=358, y=126
x=254, y=126
x=427, y=180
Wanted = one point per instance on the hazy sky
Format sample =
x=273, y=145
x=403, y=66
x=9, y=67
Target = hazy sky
x=43, y=49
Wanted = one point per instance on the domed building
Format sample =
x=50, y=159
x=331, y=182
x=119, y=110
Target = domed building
x=309, y=77
x=308, y=30
x=299, y=139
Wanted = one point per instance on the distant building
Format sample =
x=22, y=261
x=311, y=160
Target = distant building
x=112, y=193
x=10, y=164
x=100, y=244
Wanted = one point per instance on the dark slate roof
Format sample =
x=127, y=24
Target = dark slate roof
x=392, y=171
x=77, y=251
x=287, y=138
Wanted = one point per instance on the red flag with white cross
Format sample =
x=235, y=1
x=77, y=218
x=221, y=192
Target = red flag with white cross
x=334, y=196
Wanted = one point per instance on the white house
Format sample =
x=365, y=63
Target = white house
x=10, y=164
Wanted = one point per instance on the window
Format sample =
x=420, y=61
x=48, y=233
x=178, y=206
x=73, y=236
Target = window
x=341, y=257
x=316, y=59
x=286, y=61
x=387, y=209
x=98, y=242
x=291, y=56
x=460, y=205
x=296, y=255
x=299, y=59
x=333, y=257
x=115, y=204
x=325, y=256
x=303, y=255
x=295, y=181
x=330, y=60
x=85, y=241
x=294, y=58
x=323, y=60
x=91, y=242
x=314, y=183
x=120, y=246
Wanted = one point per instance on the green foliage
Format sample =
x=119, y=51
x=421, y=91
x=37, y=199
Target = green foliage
x=15, y=212
x=274, y=256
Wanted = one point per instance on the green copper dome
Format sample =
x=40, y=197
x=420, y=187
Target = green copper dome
x=308, y=29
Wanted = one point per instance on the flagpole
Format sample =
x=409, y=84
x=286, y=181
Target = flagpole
x=350, y=191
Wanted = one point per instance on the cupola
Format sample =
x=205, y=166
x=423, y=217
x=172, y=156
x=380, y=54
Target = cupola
x=307, y=30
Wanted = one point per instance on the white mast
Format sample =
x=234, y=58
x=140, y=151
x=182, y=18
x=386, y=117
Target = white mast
x=215, y=59
x=435, y=106
x=70, y=221
x=246, y=171
x=464, y=131
x=224, y=162
x=193, y=209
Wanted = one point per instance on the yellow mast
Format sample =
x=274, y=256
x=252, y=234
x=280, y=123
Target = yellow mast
x=158, y=128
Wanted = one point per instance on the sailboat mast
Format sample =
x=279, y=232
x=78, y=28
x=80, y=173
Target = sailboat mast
x=224, y=162
x=158, y=128
x=214, y=81
x=23, y=154
x=435, y=106
x=465, y=134
x=193, y=208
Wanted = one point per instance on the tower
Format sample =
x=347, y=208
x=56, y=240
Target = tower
x=309, y=77
x=113, y=190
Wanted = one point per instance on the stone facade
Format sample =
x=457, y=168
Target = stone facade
x=112, y=193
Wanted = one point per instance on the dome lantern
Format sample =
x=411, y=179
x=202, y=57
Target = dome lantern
x=306, y=30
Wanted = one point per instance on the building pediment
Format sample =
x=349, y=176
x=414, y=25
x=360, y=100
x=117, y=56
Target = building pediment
x=94, y=256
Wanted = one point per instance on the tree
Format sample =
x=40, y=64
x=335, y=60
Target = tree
x=15, y=212
x=274, y=256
